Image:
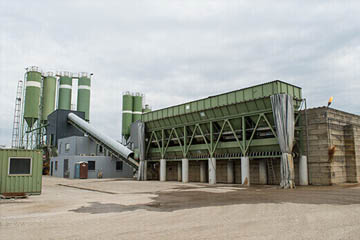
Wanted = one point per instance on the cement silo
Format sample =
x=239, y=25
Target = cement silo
x=127, y=114
x=48, y=95
x=64, y=101
x=83, y=100
x=32, y=96
x=137, y=107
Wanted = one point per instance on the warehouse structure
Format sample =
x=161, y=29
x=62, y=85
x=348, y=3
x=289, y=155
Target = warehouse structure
x=80, y=149
x=209, y=139
x=237, y=137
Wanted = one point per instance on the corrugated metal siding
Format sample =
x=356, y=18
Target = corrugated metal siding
x=20, y=184
x=240, y=96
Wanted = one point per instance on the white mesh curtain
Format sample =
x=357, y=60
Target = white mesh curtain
x=141, y=141
x=283, y=111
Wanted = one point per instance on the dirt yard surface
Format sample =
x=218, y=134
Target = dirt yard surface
x=123, y=209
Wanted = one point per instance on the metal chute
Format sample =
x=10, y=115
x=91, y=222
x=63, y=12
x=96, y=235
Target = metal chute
x=116, y=148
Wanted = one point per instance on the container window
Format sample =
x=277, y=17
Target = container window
x=56, y=165
x=67, y=147
x=119, y=166
x=91, y=165
x=20, y=166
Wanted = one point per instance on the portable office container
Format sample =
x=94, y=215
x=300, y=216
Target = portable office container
x=20, y=171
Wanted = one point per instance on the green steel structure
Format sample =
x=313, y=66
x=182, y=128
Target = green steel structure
x=83, y=100
x=127, y=111
x=32, y=96
x=48, y=96
x=226, y=126
x=64, y=101
x=137, y=107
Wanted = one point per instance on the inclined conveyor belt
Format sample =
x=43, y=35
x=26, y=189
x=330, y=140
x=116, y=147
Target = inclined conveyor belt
x=116, y=148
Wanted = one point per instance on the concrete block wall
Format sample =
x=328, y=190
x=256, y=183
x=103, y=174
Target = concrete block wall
x=357, y=151
x=194, y=171
x=328, y=127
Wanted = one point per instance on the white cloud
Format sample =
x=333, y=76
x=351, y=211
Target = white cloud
x=177, y=51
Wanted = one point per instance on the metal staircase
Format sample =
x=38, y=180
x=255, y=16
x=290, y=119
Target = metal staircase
x=15, y=141
x=271, y=171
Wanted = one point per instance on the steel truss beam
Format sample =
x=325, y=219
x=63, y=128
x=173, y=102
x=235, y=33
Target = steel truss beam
x=184, y=136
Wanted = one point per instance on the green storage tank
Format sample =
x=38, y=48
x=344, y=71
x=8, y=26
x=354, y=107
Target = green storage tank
x=83, y=99
x=48, y=96
x=65, y=91
x=127, y=114
x=137, y=107
x=20, y=171
x=32, y=95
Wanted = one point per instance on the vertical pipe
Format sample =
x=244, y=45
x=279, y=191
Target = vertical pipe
x=145, y=170
x=162, y=170
x=245, y=171
x=202, y=171
x=212, y=170
x=230, y=171
x=307, y=139
x=185, y=170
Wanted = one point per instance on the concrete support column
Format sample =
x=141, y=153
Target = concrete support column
x=142, y=171
x=212, y=170
x=262, y=172
x=185, y=170
x=179, y=171
x=162, y=170
x=230, y=171
x=145, y=170
x=245, y=171
x=202, y=171
x=303, y=171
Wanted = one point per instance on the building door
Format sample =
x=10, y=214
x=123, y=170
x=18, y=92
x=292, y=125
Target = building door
x=51, y=168
x=66, y=168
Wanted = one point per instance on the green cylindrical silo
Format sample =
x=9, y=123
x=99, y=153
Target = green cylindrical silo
x=48, y=96
x=127, y=114
x=83, y=99
x=65, y=91
x=32, y=96
x=137, y=107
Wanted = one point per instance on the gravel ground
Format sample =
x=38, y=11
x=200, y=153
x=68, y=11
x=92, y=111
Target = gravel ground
x=123, y=209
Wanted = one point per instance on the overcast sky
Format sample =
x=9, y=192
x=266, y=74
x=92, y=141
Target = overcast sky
x=177, y=51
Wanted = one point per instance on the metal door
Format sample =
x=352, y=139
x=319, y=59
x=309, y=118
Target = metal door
x=83, y=170
x=66, y=168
